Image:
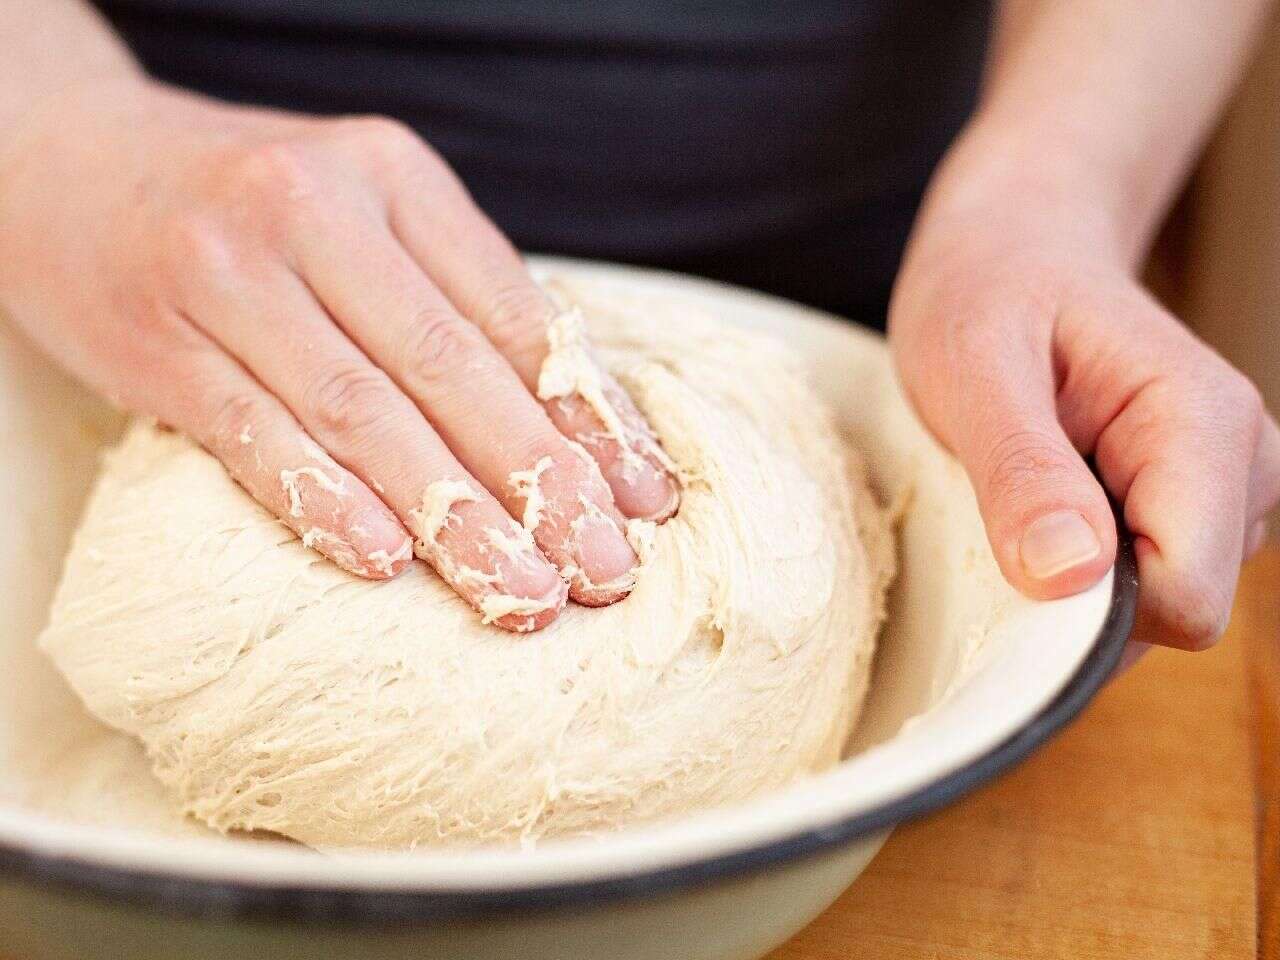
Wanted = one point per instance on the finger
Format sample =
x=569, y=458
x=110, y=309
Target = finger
x=1047, y=517
x=1134, y=651
x=269, y=318
x=269, y=454
x=1180, y=437
x=1264, y=479
x=1264, y=486
x=1179, y=454
x=483, y=276
x=377, y=293
x=1257, y=535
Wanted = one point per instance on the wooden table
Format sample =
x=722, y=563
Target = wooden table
x=1149, y=829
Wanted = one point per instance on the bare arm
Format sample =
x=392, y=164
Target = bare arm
x=1026, y=341
x=50, y=45
x=1113, y=98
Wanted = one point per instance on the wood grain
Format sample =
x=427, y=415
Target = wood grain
x=1259, y=607
x=1147, y=830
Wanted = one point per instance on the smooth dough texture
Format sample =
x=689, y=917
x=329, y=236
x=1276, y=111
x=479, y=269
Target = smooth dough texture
x=273, y=691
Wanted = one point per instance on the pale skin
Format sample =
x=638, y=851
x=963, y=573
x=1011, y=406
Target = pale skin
x=319, y=303
x=1027, y=342
x=322, y=307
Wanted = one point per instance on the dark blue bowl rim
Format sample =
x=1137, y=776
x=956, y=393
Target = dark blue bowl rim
x=231, y=900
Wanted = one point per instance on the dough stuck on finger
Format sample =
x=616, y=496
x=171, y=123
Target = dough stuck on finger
x=568, y=510
x=274, y=691
x=489, y=559
x=592, y=409
x=325, y=505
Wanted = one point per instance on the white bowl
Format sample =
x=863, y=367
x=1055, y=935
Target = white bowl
x=969, y=678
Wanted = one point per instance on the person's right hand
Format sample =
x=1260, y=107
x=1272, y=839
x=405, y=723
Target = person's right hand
x=320, y=304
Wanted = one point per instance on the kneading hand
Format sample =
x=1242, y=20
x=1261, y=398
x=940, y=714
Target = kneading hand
x=321, y=305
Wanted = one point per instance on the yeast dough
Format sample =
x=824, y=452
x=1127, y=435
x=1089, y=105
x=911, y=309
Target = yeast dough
x=273, y=691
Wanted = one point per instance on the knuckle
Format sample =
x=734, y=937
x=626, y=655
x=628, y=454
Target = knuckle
x=565, y=471
x=281, y=171
x=1221, y=408
x=382, y=137
x=1243, y=397
x=439, y=344
x=230, y=416
x=517, y=318
x=1020, y=461
x=194, y=246
x=349, y=398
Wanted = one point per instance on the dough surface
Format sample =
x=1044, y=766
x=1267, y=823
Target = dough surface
x=272, y=691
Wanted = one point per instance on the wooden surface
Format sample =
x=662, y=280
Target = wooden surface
x=1149, y=829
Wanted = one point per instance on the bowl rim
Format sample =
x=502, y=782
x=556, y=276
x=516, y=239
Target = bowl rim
x=188, y=896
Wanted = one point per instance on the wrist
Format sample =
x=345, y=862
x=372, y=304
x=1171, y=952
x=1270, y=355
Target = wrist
x=1032, y=182
x=63, y=108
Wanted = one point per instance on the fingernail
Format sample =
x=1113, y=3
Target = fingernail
x=656, y=498
x=378, y=538
x=1058, y=542
x=523, y=614
x=608, y=563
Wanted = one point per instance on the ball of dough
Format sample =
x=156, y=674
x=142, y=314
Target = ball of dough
x=275, y=692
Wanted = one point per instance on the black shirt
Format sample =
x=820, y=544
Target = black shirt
x=779, y=145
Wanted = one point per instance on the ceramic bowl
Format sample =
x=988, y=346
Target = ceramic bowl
x=969, y=678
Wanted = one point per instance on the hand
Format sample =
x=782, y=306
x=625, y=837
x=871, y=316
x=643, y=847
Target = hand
x=1027, y=345
x=321, y=305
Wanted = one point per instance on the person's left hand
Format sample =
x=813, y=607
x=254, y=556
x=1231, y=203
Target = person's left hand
x=1027, y=345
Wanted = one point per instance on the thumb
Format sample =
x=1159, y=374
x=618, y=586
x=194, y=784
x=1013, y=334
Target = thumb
x=1047, y=517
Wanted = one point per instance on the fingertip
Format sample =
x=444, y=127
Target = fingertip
x=1186, y=608
x=384, y=564
x=353, y=549
x=1201, y=641
x=532, y=578
x=605, y=564
x=1134, y=651
x=525, y=608
x=630, y=461
x=568, y=508
x=526, y=593
x=652, y=495
x=1254, y=539
x=1060, y=552
x=590, y=594
x=382, y=545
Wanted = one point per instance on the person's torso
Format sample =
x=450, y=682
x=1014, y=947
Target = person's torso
x=779, y=145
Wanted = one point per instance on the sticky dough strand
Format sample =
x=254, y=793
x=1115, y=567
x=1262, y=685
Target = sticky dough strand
x=490, y=594
x=570, y=370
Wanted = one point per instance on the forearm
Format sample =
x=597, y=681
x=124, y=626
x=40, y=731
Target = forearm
x=1100, y=107
x=47, y=46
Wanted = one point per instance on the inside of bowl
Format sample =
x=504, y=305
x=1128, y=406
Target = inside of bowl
x=962, y=662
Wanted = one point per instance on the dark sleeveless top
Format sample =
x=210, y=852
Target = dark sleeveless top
x=779, y=145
